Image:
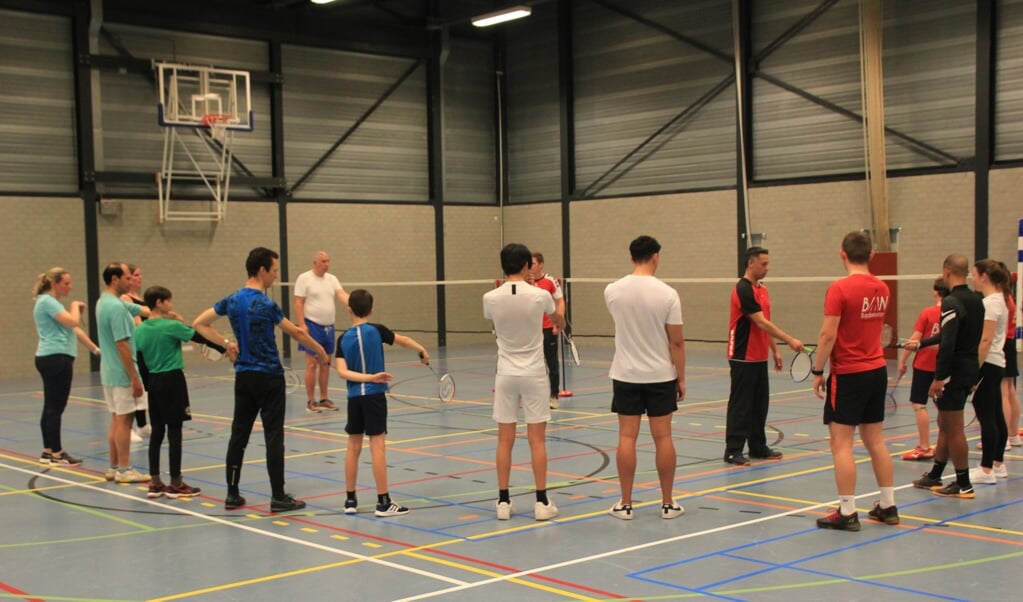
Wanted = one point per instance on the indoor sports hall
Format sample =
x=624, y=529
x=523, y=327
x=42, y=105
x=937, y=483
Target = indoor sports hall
x=411, y=141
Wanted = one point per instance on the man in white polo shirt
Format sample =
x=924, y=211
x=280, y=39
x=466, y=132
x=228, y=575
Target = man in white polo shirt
x=315, y=292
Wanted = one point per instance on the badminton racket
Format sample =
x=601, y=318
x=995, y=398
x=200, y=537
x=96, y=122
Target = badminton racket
x=209, y=353
x=802, y=364
x=445, y=383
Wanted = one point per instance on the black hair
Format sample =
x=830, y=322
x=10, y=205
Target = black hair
x=154, y=294
x=643, y=248
x=753, y=252
x=115, y=269
x=360, y=301
x=940, y=287
x=514, y=257
x=260, y=257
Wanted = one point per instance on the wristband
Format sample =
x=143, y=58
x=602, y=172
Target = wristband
x=816, y=372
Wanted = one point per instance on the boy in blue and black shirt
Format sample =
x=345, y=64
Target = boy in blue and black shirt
x=360, y=361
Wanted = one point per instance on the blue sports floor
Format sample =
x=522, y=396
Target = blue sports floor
x=748, y=532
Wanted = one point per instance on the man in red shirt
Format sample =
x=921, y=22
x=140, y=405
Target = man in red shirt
x=854, y=310
x=545, y=281
x=928, y=324
x=751, y=335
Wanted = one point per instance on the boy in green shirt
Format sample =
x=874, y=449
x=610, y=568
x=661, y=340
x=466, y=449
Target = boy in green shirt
x=159, y=340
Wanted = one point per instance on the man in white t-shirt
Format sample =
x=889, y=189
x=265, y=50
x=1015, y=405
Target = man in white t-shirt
x=315, y=292
x=648, y=372
x=517, y=309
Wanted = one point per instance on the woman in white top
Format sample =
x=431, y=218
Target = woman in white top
x=988, y=278
x=58, y=329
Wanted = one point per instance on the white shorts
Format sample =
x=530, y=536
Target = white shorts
x=120, y=401
x=531, y=393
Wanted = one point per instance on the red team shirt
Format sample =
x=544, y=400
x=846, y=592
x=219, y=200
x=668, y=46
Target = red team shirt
x=551, y=286
x=929, y=323
x=861, y=301
x=747, y=342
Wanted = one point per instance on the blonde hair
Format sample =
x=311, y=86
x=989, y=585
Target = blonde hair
x=46, y=280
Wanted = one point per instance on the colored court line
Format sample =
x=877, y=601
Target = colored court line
x=243, y=527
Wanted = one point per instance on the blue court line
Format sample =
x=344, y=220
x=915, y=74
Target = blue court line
x=792, y=564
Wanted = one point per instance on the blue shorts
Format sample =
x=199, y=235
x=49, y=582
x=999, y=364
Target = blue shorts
x=324, y=335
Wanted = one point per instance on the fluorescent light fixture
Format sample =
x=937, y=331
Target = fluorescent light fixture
x=321, y=1
x=508, y=14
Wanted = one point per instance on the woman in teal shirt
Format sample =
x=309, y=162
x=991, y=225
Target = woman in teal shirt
x=55, y=357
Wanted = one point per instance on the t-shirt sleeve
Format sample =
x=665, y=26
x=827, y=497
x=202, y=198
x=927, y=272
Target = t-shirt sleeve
x=674, y=310
x=301, y=286
x=833, y=301
x=747, y=300
x=335, y=284
x=921, y=323
x=180, y=331
x=339, y=351
x=122, y=326
x=51, y=307
x=386, y=335
x=220, y=307
x=133, y=308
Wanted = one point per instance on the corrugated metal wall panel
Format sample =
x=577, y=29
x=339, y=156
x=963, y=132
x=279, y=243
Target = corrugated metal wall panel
x=1009, y=81
x=631, y=80
x=325, y=93
x=929, y=95
x=533, y=111
x=131, y=138
x=37, y=135
x=470, y=163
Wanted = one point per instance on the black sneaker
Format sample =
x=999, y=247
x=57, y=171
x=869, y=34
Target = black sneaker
x=889, y=515
x=391, y=509
x=736, y=458
x=286, y=504
x=926, y=482
x=156, y=490
x=766, y=454
x=840, y=522
x=64, y=459
x=954, y=490
x=182, y=489
x=351, y=506
x=232, y=502
x=45, y=458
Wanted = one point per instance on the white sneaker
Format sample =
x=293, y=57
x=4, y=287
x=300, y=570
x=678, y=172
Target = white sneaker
x=978, y=476
x=1001, y=471
x=135, y=437
x=504, y=510
x=1016, y=441
x=555, y=403
x=622, y=511
x=545, y=511
x=110, y=474
x=671, y=510
x=131, y=476
x=145, y=431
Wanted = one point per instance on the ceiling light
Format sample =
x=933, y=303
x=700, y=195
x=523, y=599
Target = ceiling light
x=508, y=14
x=321, y=1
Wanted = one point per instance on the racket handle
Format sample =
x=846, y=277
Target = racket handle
x=421, y=356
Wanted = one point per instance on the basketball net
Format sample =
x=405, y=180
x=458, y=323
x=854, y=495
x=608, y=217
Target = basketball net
x=217, y=125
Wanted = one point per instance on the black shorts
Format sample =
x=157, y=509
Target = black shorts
x=367, y=415
x=918, y=391
x=1011, y=361
x=168, y=397
x=636, y=399
x=857, y=398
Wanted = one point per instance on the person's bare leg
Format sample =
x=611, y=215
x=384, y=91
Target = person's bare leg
x=505, y=443
x=625, y=457
x=352, y=462
x=537, y=434
x=873, y=439
x=121, y=425
x=378, y=448
x=923, y=424
x=842, y=457
x=665, y=458
x=324, y=380
x=311, y=368
x=958, y=452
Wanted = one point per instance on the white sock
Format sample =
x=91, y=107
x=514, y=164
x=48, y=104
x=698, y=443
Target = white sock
x=887, y=497
x=846, y=504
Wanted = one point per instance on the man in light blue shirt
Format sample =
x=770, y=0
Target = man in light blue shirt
x=122, y=386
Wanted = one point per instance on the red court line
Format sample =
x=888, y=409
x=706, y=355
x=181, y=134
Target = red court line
x=17, y=592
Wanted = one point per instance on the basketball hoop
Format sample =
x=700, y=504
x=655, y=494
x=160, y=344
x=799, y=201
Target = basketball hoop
x=217, y=124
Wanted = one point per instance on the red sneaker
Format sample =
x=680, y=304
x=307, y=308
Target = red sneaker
x=919, y=453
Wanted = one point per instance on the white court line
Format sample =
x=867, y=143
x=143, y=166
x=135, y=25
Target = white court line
x=634, y=548
x=241, y=526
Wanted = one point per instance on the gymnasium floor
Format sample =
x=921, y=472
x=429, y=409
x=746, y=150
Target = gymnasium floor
x=748, y=532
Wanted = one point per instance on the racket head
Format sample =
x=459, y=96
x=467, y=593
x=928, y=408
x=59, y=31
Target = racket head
x=446, y=388
x=574, y=351
x=209, y=353
x=801, y=365
x=293, y=379
x=887, y=335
